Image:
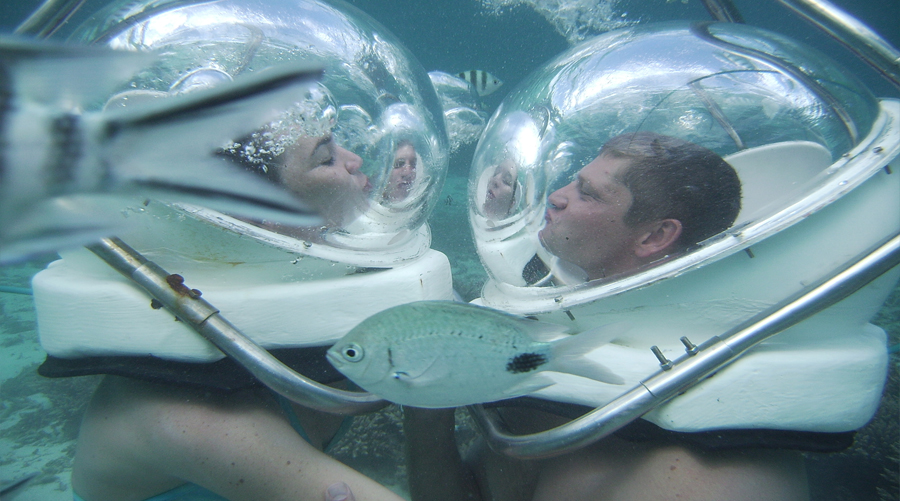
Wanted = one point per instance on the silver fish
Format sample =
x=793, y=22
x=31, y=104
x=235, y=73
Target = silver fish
x=483, y=82
x=438, y=354
x=64, y=172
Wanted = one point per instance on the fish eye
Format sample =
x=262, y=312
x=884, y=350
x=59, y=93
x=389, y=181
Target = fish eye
x=352, y=352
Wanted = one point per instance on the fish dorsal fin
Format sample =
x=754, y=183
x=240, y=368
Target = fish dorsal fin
x=90, y=73
x=197, y=126
x=568, y=354
x=58, y=223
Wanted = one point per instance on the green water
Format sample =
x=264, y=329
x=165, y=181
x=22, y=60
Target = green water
x=39, y=418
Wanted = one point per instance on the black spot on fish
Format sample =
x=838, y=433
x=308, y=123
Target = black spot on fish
x=525, y=362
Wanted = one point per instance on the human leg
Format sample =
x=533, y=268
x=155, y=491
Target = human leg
x=138, y=439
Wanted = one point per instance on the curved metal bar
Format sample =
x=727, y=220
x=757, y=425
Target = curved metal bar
x=723, y=10
x=203, y=317
x=853, y=34
x=691, y=368
x=702, y=30
x=48, y=18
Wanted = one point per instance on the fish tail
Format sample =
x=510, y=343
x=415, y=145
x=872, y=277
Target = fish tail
x=171, y=145
x=568, y=355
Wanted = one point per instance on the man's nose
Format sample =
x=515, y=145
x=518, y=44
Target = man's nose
x=558, y=199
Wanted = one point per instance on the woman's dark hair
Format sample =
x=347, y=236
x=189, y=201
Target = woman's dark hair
x=260, y=162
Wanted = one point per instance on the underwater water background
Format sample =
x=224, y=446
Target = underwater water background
x=510, y=38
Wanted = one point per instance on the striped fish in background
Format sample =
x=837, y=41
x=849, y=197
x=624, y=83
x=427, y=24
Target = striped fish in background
x=483, y=82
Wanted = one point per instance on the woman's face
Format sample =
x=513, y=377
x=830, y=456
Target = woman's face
x=501, y=190
x=325, y=176
x=403, y=173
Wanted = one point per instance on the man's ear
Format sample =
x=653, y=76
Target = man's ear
x=658, y=238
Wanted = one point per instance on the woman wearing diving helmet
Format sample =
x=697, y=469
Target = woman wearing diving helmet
x=147, y=440
x=158, y=438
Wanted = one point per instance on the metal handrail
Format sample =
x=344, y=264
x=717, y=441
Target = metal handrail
x=190, y=308
x=853, y=34
x=48, y=18
x=723, y=10
x=698, y=363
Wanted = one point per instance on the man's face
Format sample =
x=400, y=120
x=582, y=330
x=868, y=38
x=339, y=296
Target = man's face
x=403, y=173
x=585, y=220
x=501, y=190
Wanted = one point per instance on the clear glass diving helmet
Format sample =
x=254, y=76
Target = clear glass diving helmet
x=568, y=175
x=374, y=100
x=364, y=147
x=726, y=88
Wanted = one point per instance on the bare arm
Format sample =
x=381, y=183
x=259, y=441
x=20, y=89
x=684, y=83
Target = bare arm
x=140, y=439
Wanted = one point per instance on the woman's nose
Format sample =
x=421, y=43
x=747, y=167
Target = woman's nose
x=351, y=161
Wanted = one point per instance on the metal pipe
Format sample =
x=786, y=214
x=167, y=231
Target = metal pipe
x=837, y=107
x=853, y=34
x=203, y=317
x=48, y=17
x=717, y=113
x=690, y=368
x=723, y=10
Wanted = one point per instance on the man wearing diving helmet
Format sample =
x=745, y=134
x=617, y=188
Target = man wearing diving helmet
x=156, y=437
x=643, y=198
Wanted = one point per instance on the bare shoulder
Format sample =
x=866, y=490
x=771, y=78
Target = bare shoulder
x=614, y=469
x=618, y=470
x=139, y=438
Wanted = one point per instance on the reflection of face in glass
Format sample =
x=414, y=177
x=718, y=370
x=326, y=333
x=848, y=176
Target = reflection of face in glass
x=403, y=173
x=501, y=190
x=325, y=176
x=585, y=221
